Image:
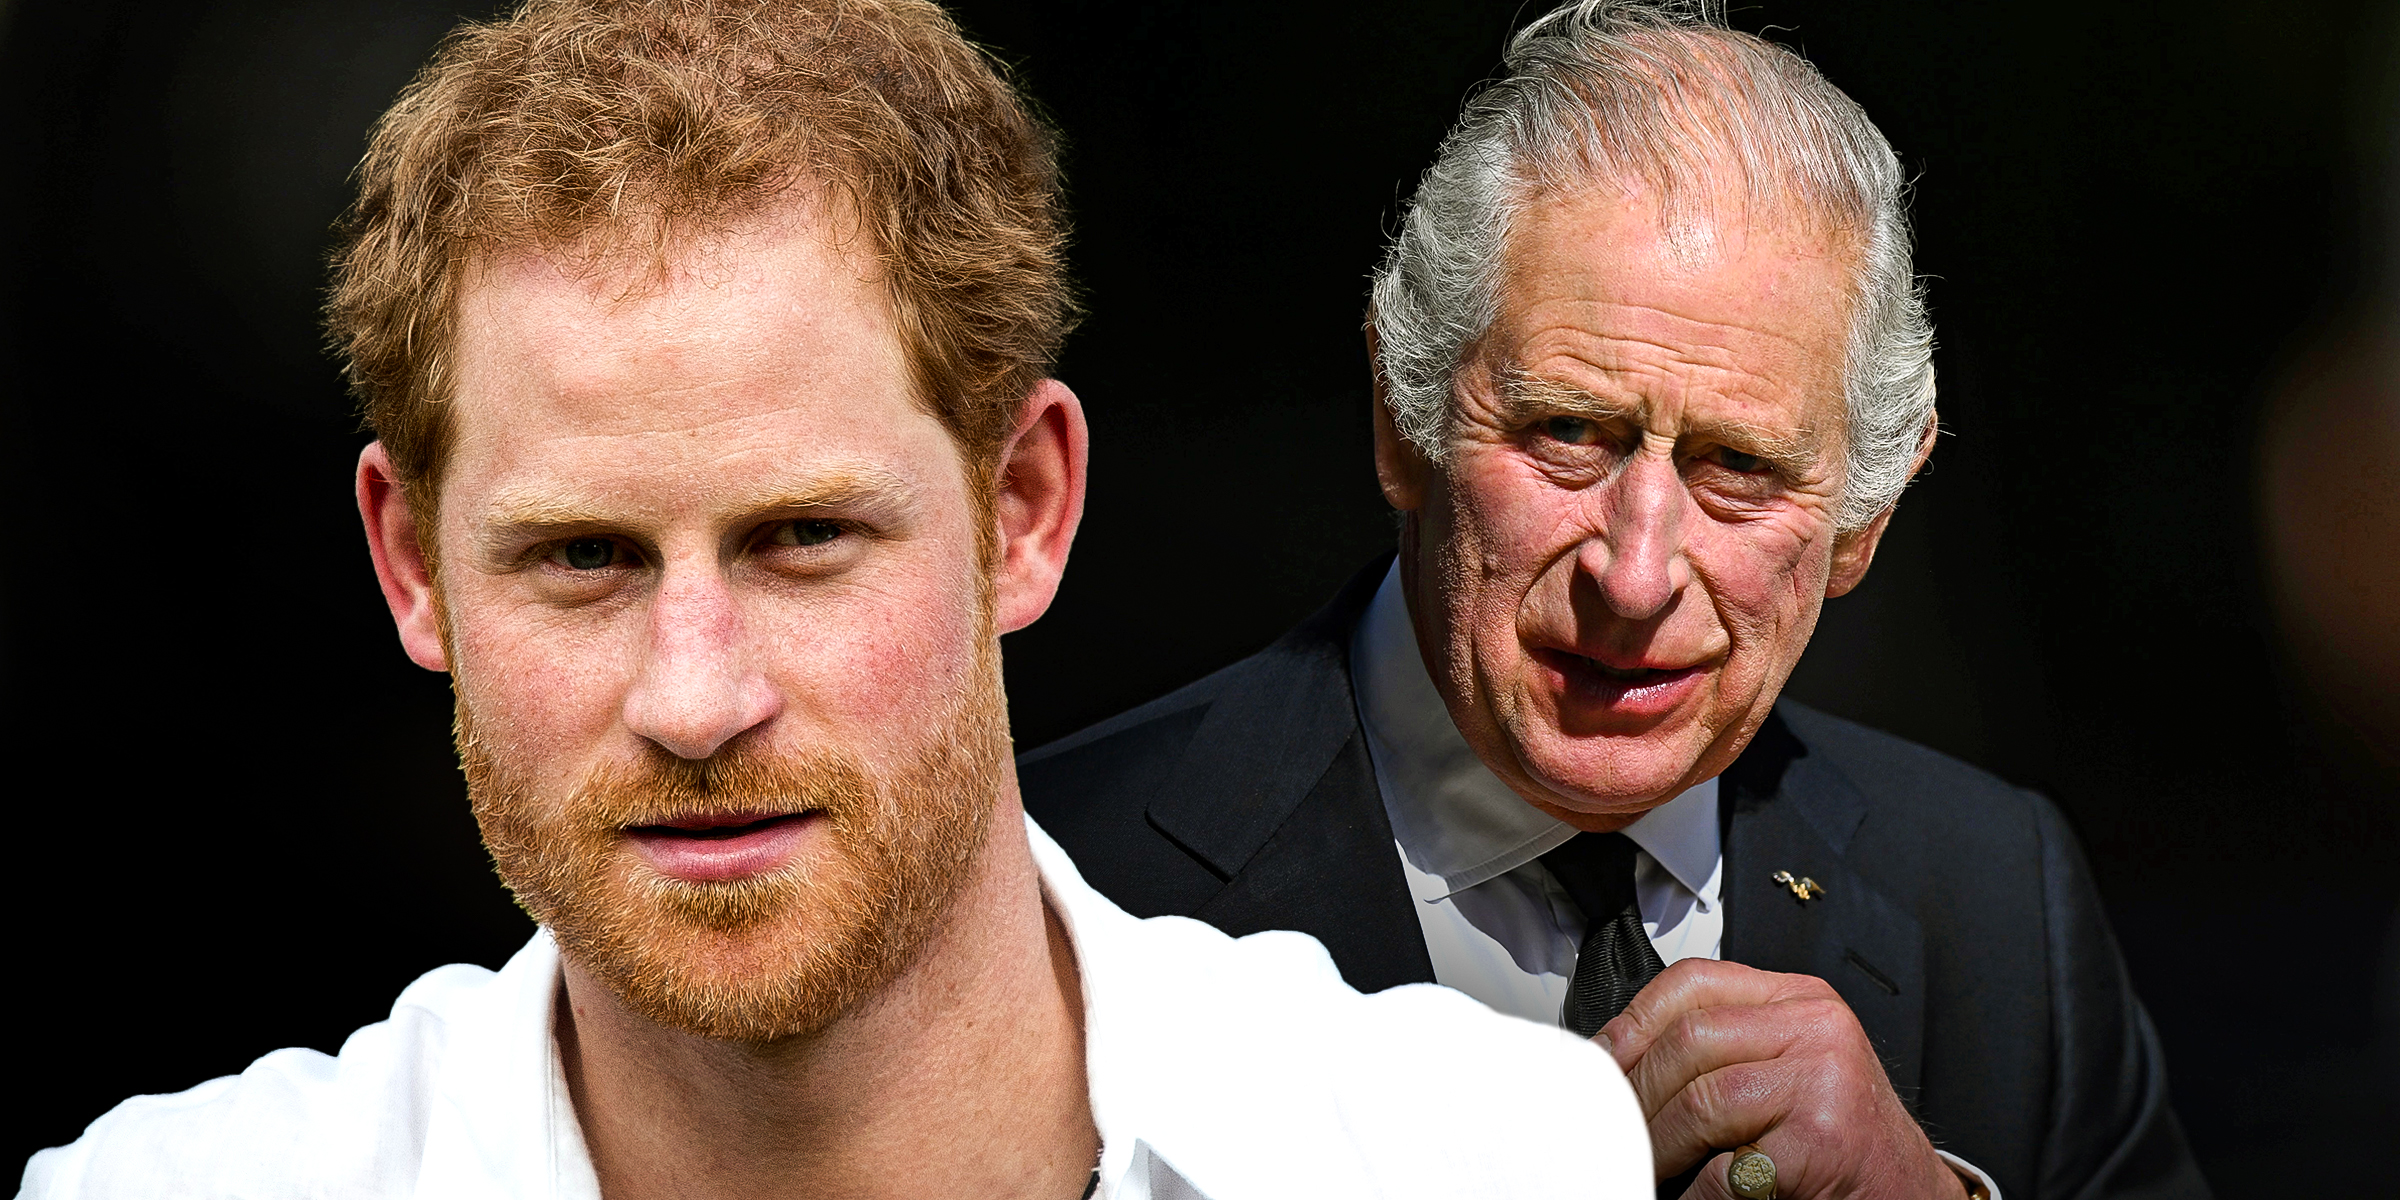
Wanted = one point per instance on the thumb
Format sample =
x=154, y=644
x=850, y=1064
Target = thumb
x=1709, y=1183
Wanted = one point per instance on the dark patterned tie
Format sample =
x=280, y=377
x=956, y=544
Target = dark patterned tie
x=1617, y=957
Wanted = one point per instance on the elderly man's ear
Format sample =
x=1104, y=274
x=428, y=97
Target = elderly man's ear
x=1854, y=553
x=1040, y=502
x=1399, y=466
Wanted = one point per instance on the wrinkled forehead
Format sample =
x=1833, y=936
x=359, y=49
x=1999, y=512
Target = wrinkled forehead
x=1605, y=276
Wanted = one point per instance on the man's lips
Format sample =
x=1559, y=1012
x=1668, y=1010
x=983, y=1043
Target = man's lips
x=1634, y=690
x=714, y=847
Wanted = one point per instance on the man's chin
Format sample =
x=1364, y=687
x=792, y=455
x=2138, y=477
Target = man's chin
x=1610, y=776
x=731, y=964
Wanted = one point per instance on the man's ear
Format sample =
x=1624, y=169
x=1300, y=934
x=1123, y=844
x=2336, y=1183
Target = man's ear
x=1853, y=553
x=401, y=565
x=1399, y=466
x=1039, y=503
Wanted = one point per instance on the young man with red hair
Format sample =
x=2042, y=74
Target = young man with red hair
x=706, y=348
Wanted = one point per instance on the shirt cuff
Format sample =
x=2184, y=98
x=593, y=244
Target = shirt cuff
x=1964, y=1167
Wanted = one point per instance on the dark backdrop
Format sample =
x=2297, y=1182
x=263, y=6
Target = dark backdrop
x=240, y=825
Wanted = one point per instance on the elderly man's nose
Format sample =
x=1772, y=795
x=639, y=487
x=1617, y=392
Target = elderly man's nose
x=697, y=690
x=1638, y=559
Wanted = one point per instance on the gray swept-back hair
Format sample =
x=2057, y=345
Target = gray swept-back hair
x=1661, y=93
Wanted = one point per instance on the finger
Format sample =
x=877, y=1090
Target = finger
x=1710, y=1183
x=1815, y=1115
x=1715, y=1180
x=1741, y=1103
x=1711, y=1039
x=1692, y=984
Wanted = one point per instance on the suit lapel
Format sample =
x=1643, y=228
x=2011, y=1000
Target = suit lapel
x=1331, y=871
x=1263, y=744
x=1786, y=811
x=1269, y=734
x=1276, y=795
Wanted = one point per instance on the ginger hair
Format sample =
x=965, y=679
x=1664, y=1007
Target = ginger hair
x=593, y=128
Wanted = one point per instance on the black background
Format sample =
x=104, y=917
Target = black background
x=238, y=822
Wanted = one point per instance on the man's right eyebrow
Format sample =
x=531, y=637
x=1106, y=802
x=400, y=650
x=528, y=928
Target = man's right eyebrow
x=515, y=515
x=546, y=516
x=1523, y=397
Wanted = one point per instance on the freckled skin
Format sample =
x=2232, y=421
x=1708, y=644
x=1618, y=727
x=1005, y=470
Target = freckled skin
x=1632, y=541
x=634, y=552
x=664, y=412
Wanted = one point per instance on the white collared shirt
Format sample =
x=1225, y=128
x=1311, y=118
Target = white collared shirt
x=1218, y=1068
x=1497, y=925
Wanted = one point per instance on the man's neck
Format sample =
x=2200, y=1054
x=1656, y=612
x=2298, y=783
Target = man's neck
x=964, y=1076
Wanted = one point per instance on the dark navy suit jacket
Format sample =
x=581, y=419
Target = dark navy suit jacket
x=1958, y=918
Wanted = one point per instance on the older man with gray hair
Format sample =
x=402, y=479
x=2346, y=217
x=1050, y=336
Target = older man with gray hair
x=1652, y=371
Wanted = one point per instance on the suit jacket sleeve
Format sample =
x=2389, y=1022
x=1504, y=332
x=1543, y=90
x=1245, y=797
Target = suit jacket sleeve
x=2112, y=1133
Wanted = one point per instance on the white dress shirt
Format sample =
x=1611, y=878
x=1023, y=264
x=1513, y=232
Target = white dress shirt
x=1218, y=1068
x=1497, y=925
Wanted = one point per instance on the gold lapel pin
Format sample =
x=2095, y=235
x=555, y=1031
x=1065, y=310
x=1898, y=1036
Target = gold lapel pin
x=1802, y=886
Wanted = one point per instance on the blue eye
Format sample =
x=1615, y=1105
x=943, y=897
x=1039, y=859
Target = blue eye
x=1574, y=431
x=806, y=533
x=1740, y=463
x=588, y=554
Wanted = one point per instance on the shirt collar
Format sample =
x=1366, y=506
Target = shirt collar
x=504, y=1124
x=1682, y=835
x=1121, y=1007
x=1452, y=816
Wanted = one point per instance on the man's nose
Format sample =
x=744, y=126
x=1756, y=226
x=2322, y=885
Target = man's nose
x=697, y=688
x=1638, y=558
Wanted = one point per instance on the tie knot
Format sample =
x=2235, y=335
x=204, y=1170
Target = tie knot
x=1597, y=871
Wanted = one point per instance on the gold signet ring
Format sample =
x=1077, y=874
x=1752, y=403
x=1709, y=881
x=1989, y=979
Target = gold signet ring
x=1751, y=1174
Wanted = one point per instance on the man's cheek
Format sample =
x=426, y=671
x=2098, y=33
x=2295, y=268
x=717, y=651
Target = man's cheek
x=1757, y=552
x=1796, y=559
x=1767, y=585
x=878, y=662
x=1523, y=514
x=543, y=683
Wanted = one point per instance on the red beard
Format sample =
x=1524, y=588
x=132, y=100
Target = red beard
x=771, y=956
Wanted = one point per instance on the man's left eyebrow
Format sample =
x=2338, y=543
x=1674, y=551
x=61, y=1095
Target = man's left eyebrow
x=846, y=487
x=1523, y=397
x=1792, y=450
